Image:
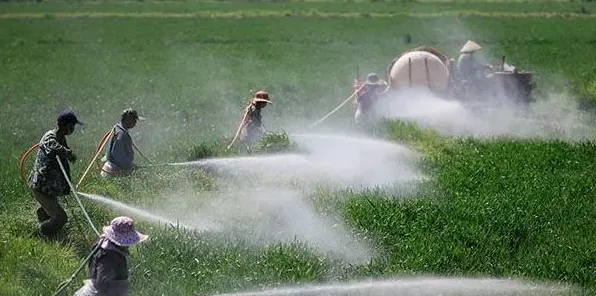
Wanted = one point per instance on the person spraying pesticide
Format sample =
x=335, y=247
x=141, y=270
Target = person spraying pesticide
x=108, y=266
x=119, y=158
x=250, y=129
x=367, y=94
x=47, y=181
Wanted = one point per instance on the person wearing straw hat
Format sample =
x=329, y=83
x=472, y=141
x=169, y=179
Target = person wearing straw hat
x=108, y=267
x=47, y=181
x=373, y=88
x=467, y=65
x=252, y=126
x=119, y=158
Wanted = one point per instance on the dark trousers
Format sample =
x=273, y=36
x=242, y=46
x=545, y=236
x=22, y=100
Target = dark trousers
x=50, y=214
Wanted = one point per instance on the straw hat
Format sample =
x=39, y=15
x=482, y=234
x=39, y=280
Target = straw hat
x=261, y=96
x=470, y=47
x=121, y=232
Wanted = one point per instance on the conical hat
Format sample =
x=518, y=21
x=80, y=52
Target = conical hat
x=470, y=46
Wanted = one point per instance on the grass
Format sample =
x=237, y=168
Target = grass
x=504, y=210
x=498, y=207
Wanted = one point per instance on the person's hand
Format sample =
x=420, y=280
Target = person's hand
x=71, y=156
x=357, y=84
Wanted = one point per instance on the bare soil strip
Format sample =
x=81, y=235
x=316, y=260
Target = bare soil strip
x=265, y=13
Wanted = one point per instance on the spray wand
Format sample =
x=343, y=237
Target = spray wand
x=338, y=107
x=344, y=102
x=240, y=126
x=64, y=284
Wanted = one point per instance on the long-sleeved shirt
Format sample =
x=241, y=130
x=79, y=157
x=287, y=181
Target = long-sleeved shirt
x=47, y=176
x=108, y=270
x=120, y=152
x=467, y=66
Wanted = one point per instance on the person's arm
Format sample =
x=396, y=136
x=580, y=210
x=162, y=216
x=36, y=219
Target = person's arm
x=52, y=145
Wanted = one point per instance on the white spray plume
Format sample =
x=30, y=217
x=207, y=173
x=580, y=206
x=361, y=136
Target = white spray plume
x=332, y=159
x=144, y=214
x=550, y=118
x=263, y=215
x=268, y=199
x=416, y=286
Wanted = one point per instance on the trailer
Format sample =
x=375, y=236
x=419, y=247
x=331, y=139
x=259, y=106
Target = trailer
x=428, y=68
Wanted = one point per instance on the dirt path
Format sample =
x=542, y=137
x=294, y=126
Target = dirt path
x=272, y=13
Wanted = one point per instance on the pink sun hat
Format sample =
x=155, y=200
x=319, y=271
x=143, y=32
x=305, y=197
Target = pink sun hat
x=121, y=232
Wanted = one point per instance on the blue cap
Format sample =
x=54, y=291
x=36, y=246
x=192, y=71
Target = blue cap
x=68, y=116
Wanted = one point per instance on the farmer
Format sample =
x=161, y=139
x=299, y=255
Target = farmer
x=47, y=180
x=108, y=267
x=251, y=126
x=368, y=95
x=120, y=155
x=467, y=65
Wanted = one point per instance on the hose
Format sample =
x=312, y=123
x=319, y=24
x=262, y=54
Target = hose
x=99, y=149
x=139, y=151
x=23, y=159
x=65, y=283
x=338, y=107
x=240, y=126
x=74, y=192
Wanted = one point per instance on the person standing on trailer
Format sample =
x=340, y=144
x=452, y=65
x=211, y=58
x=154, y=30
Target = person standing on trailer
x=467, y=65
x=108, y=267
x=47, y=180
x=119, y=158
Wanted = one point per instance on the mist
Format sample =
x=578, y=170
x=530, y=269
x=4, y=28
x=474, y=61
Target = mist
x=417, y=286
x=554, y=117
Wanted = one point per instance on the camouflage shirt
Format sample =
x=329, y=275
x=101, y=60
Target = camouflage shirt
x=46, y=176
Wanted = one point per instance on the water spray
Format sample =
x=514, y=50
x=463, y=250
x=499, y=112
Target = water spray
x=133, y=210
x=414, y=286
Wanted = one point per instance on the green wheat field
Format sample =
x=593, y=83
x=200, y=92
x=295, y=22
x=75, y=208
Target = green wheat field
x=492, y=207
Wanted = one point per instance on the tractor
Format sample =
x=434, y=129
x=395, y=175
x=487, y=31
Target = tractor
x=428, y=68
